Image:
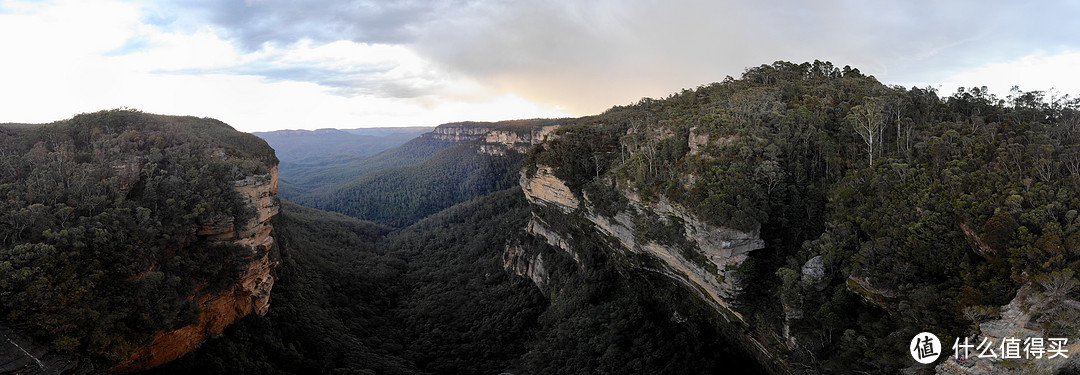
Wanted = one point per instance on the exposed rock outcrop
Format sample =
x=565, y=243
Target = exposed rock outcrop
x=459, y=132
x=813, y=273
x=546, y=189
x=870, y=293
x=714, y=276
x=725, y=248
x=811, y=276
x=496, y=138
x=521, y=262
x=698, y=141
x=1017, y=321
x=538, y=228
x=977, y=244
x=19, y=354
x=706, y=259
x=498, y=142
x=250, y=293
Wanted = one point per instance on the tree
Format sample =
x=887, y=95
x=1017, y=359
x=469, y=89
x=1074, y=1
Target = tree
x=896, y=102
x=770, y=174
x=868, y=121
x=1071, y=159
x=1058, y=284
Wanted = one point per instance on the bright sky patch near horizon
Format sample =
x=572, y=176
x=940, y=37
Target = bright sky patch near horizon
x=274, y=64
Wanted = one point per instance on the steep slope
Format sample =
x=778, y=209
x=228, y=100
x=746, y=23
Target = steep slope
x=250, y=289
x=303, y=144
x=428, y=299
x=313, y=161
x=332, y=311
x=752, y=218
x=433, y=298
x=129, y=238
x=484, y=159
x=764, y=197
x=310, y=179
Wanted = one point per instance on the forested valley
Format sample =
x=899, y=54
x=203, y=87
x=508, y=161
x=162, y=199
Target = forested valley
x=434, y=298
x=881, y=212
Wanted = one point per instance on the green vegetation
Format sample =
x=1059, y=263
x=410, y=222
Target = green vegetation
x=330, y=305
x=407, y=183
x=434, y=298
x=401, y=196
x=97, y=274
x=307, y=180
x=98, y=216
x=295, y=145
x=881, y=181
x=927, y=212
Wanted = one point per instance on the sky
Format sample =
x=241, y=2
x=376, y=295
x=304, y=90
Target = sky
x=273, y=64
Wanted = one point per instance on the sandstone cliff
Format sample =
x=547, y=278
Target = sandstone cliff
x=546, y=189
x=523, y=262
x=498, y=142
x=518, y=260
x=1020, y=319
x=250, y=293
x=496, y=138
x=460, y=132
x=706, y=261
x=151, y=233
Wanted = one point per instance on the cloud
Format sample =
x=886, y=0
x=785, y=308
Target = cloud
x=352, y=69
x=135, y=44
x=350, y=63
x=588, y=56
x=111, y=57
x=55, y=30
x=257, y=22
x=1051, y=73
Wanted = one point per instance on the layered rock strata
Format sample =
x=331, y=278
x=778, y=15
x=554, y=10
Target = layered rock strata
x=498, y=142
x=250, y=293
x=713, y=276
x=458, y=133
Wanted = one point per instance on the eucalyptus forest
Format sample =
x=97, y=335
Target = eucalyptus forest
x=881, y=212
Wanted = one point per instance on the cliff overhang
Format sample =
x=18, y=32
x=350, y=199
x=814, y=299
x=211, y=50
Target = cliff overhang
x=706, y=259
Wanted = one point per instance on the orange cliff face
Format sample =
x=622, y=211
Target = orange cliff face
x=250, y=293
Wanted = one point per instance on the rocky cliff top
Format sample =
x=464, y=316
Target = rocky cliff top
x=498, y=136
x=1028, y=316
x=249, y=292
x=137, y=237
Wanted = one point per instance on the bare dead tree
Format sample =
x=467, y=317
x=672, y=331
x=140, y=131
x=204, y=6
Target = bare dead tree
x=1058, y=284
x=1071, y=159
x=868, y=121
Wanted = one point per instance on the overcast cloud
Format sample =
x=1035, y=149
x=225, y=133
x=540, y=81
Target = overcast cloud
x=371, y=63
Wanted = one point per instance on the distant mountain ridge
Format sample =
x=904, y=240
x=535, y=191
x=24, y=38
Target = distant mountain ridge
x=452, y=163
x=379, y=132
x=800, y=219
x=301, y=144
